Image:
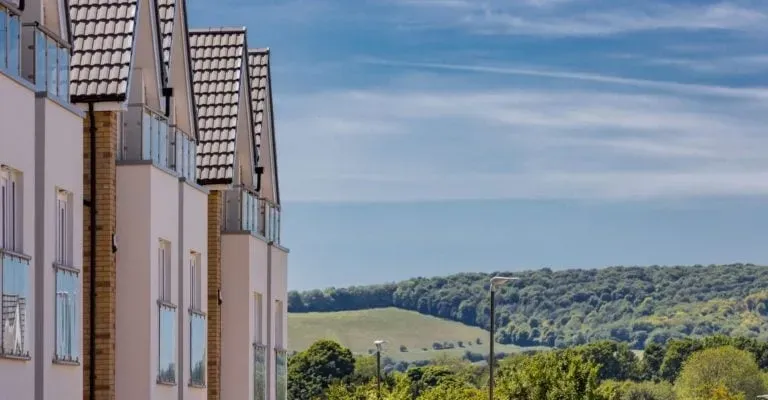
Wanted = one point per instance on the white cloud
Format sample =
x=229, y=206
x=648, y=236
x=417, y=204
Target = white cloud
x=587, y=18
x=443, y=144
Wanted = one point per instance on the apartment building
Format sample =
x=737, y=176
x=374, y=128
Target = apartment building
x=40, y=206
x=145, y=245
x=247, y=264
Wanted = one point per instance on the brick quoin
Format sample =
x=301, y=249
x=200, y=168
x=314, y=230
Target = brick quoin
x=106, y=284
x=215, y=219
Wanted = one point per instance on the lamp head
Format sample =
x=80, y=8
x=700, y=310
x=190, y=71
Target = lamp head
x=379, y=343
x=497, y=281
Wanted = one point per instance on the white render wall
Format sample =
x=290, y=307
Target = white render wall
x=148, y=210
x=195, y=239
x=63, y=163
x=17, y=150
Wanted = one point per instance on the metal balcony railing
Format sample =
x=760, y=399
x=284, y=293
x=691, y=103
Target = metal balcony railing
x=259, y=372
x=15, y=294
x=167, y=350
x=281, y=374
x=197, y=345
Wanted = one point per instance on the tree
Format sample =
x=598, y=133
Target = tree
x=561, y=375
x=724, y=370
x=653, y=357
x=678, y=351
x=312, y=371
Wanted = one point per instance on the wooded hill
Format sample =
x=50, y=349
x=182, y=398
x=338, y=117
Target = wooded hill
x=636, y=305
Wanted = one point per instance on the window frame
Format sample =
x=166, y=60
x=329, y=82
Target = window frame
x=195, y=282
x=72, y=329
x=165, y=272
x=258, y=318
x=11, y=210
x=64, y=235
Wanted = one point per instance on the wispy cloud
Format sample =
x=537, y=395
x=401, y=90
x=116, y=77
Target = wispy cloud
x=588, y=18
x=711, y=64
x=710, y=90
x=520, y=144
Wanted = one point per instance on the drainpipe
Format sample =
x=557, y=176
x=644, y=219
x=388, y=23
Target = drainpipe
x=92, y=289
x=270, y=312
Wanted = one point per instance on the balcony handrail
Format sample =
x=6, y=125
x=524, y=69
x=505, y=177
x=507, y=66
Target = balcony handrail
x=10, y=7
x=48, y=32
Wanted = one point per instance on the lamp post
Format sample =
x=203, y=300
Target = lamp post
x=378, y=344
x=496, y=282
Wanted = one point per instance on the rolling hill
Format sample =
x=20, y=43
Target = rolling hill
x=636, y=305
x=358, y=329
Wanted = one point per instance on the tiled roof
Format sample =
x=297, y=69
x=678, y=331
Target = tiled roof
x=217, y=60
x=258, y=64
x=102, y=35
x=166, y=10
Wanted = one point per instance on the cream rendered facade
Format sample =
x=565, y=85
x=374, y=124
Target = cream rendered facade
x=238, y=165
x=149, y=251
x=41, y=205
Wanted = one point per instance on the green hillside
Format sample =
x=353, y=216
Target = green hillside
x=358, y=329
x=636, y=305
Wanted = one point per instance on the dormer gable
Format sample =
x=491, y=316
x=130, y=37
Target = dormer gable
x=222, y=94
x=115, y=52
x=263, y=123
x=174, y=39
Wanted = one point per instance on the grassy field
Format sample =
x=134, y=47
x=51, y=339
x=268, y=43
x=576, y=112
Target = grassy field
x=358, y=329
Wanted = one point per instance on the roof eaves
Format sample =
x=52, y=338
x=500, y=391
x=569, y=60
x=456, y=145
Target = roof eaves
x=190, y=73
x=226, y=29
x=272, y=129
x=97, y=98
x=217, y=181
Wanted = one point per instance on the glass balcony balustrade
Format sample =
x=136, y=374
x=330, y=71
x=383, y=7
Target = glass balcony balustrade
x=259, y=372
x=146, y=136
x=10, y=42
x=51, y=59
x=245, y=211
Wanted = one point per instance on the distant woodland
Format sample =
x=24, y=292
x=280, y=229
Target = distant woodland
x=633, y=305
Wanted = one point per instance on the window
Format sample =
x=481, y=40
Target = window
x=15, y=278
x=164, y=268
x=67, y=315
x=258, y=319
x=64, y=228
x=166, y=373
x=196, y=281
x=10, y=210
x=279, y=323
x=198, y=340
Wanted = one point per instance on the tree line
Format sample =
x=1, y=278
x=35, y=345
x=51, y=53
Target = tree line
x=714, y=368
x=636, y=305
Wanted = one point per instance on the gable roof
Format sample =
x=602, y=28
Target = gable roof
x=261, y=105
x=217, y=65
x=102, y=48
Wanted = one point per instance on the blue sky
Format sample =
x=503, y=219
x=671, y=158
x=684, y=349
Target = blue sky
x=426, y=137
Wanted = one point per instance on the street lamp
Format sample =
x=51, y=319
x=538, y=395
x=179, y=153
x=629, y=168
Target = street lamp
x=378, y=344
x=496, y=282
